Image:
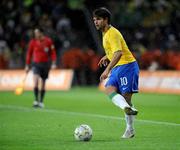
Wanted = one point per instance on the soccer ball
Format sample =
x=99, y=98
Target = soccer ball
x=83, y=133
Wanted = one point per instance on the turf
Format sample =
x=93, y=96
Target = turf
x=25, y=128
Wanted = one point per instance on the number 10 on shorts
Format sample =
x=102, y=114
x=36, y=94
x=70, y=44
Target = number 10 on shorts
x=123, y=81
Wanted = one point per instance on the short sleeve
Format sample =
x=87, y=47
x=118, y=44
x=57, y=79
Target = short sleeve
x=115, y=42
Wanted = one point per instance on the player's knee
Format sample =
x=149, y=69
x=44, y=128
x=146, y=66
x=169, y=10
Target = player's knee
x=127, y=97
x=110, y=90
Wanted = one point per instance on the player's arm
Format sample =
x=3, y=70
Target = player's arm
x=116, y=57
x=103, y=61
x=53, y=55
x=116, y=48
x=29, y=56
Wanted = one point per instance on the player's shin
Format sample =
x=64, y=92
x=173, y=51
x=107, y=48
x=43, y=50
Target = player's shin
x=42, y=95
x=36, y=93
x=119, y=100
x=129, y=121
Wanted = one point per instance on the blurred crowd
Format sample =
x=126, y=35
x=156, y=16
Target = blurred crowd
x=150, y=28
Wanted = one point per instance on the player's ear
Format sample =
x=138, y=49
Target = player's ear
x=106, y=19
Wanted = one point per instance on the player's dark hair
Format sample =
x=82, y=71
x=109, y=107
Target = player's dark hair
x=102, y=12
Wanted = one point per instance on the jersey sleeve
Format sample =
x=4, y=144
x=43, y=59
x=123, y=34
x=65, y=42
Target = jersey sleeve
x=29, y=52
x=115, y=42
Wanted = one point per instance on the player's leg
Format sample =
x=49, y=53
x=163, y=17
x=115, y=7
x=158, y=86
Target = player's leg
x=117, y=83
x=129, y=132
x=119, y=100
x=127, y=97
x=116, y=98
x=36, y=90
x=36, y=68
x=42, y=92
x=124, y=102
x=44, y=75
x=132, y=80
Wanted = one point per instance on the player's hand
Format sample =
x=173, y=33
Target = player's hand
x=103, y=62
x=104, y=75
x=27, y=68
x=53, y=66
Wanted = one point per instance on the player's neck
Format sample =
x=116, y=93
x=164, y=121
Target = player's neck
x=106, y=28
x=41, y=38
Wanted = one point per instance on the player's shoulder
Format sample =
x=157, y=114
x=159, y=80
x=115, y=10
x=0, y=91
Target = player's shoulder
x=32, y=41
x=48, y=39
x=114, y=30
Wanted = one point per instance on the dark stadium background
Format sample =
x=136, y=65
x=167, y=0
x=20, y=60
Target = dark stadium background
x=151, y=29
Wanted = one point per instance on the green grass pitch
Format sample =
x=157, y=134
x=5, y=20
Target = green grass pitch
x=25, y=128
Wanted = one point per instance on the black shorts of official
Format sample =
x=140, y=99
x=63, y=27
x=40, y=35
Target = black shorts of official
x=42, y=69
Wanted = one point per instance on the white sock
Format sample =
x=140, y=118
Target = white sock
x=119, y=101
x=129, y=122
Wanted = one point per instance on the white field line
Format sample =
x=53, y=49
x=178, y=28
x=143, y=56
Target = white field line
x=20, y=108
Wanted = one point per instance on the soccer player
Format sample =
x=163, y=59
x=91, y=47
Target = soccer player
x=121, y=65
x=41, y=52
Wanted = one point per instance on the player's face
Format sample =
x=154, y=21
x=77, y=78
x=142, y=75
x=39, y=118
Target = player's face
x=37, y=34
x=99, y=22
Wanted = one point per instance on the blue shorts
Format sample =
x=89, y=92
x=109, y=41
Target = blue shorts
x=124, y=78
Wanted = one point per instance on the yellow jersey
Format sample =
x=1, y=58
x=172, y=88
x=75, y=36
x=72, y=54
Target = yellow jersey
x=113, y=41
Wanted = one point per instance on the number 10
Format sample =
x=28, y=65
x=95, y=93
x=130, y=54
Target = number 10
x=123, y=81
